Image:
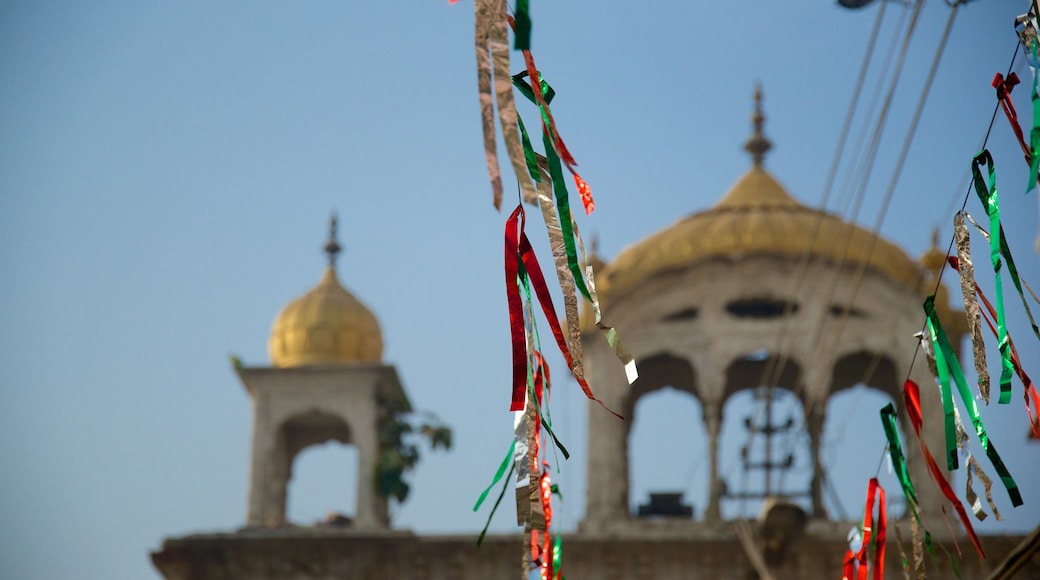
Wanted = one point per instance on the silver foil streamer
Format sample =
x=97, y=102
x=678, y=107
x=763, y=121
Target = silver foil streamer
x=971, y=302
x=503, y=81
x=631, y=372
x=484, y=14
x=563, y=273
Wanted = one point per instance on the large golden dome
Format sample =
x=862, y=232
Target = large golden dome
x=758, y=217
x=326, y=325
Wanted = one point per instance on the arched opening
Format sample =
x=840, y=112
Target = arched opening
x=323, y=487
x=851, y=452
x=763, y=451
x=668, y=454
x=321, y=475
x=852, y=447
x=667, y=444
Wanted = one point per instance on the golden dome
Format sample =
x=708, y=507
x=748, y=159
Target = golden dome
x=758, y=217
x=326, y=325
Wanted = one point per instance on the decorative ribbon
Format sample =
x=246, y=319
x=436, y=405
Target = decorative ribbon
x=987, y=485
x=507, y=462
x=522, y=30
x=484, y=13
x=942, y=344
x=549, y=126
x=855, y=567
x=988, y=197
x=912, y=398
x=492, y=47
x=521, y=252
x=974, y=469
x=1031, y=397
x=1019, y=283
x=1004, y=87
x=631, y=372
x=971, y=304
x=895, y=452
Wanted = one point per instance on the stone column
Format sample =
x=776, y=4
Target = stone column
x=607, y=484
x=371, y=507
x=712, y=411
x=814, y=419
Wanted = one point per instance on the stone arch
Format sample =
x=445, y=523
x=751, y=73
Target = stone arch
x=292, y=435
x=873, y=369
x=852, y=425
x=660, y=371
x=753, y=369
x=658, y=374
x=862, y=382
x=742, y=440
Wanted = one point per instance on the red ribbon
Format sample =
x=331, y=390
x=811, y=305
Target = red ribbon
x=856, y=564
x=514, y=226
x=912, y=396
x=1031, y=396
x=586, y=193
x=1004, y=87
x=517, y=251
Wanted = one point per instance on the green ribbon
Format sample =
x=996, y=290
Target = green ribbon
x=558, y=180
x=949, y=417
x=530, y=157
x=895, y=452
x=988, y=197
x=949, y=358
x=522, y=30
x=557, y=556
x=506, y=462
x=1013, y=271
x=1034, y=134
x=564, y=208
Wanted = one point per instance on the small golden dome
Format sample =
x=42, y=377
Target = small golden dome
x=758, y=217
x=326, y=325
x=952, y=319
x=934, y=260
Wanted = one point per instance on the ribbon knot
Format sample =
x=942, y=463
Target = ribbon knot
x=1004, y=86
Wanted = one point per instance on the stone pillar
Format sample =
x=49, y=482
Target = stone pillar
x=712, y=410
x=371, y=507
x=607, y=483
x=814, y=419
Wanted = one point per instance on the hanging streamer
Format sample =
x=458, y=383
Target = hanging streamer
x=988, y=197
x=1019, y=283
x=518, y=250
x=855, y=565
x=895, y=453
x=1032, y=398
x=974, y=469
x=942, y=345
x=971, y=304
x=492, y=49
x=912, y=398
x=538, y=165
x=631, y=372
x=1004, y=87
x=987, y=484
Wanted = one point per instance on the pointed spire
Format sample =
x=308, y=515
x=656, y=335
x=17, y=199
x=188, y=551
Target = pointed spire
x=332, y=247
x=758, y=145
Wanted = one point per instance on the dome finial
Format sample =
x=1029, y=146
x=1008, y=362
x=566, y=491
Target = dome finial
x=758, y=145
x=332, y=247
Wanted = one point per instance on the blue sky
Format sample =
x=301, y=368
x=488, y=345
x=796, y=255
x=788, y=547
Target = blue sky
x=167, y=171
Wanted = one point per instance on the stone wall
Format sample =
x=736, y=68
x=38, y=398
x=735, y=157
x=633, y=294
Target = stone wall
x=688, y=553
